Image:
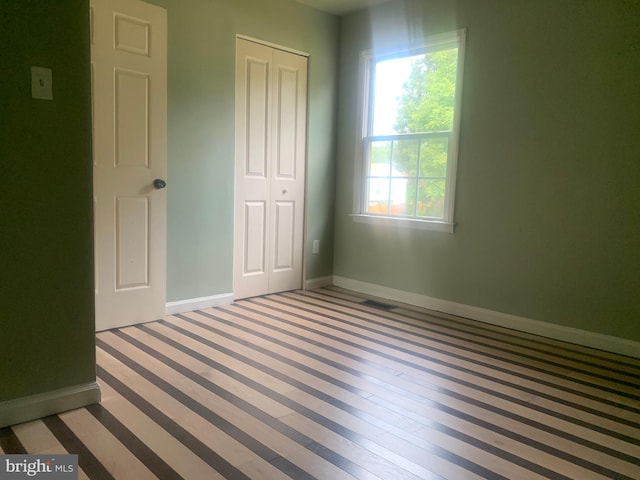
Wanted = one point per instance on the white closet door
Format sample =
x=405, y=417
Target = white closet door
x=271, y=98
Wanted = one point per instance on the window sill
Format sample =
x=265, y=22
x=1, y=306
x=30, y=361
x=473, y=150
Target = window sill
x=434, y=225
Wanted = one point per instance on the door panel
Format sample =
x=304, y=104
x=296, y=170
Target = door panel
x=132, y=242
x=131, y=118
x=128, y=55
x=131, y=34
x=254, y=238
x=284, y=236
x=271, y=88
x=286, y=131
x=257, y=126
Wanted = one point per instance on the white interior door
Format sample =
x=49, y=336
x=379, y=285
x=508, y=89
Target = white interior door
x=271, y=102
x=129, y=70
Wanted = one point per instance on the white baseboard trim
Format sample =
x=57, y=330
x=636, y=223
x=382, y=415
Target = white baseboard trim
x=318, y=282
x=24, y=409
x=199, y=303
x=585, y=338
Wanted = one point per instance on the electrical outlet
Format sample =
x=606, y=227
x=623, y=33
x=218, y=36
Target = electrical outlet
x=316, y=246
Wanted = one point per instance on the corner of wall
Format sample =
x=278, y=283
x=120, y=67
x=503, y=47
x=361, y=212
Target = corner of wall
x=319, y=282
x=191, y=304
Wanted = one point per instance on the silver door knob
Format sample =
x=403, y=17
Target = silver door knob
x=285, y=191
x=158, y=184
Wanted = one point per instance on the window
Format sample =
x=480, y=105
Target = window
x=409, y=140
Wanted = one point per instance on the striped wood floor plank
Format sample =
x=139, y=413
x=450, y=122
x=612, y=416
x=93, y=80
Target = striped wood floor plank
x=620, y=386
x=477, y=340
x=325, y=385
x=532, y=342
x=369, y=388
x=624, y=408
x=527, y=398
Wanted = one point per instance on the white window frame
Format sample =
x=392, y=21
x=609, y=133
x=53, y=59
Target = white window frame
x=367, y=59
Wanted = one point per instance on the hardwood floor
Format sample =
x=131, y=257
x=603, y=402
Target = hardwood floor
x=324, y=384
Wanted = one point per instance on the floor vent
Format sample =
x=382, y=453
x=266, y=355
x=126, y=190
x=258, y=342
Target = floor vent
x=380, y=305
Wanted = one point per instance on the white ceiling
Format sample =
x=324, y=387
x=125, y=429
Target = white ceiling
x=340, y=7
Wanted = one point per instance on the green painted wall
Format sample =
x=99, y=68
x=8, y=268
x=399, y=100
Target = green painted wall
x=46, y=224
x=547, y=200
x=201, y=95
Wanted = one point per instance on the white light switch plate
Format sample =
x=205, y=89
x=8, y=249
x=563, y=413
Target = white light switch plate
x=41, y=83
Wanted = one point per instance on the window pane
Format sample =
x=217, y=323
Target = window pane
x=405, y=158
x=415, y=94
x=430, y=198
x=403, y=197
x=380, y=160
x=378, y=192
x=390, y=78
x=433, y=157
